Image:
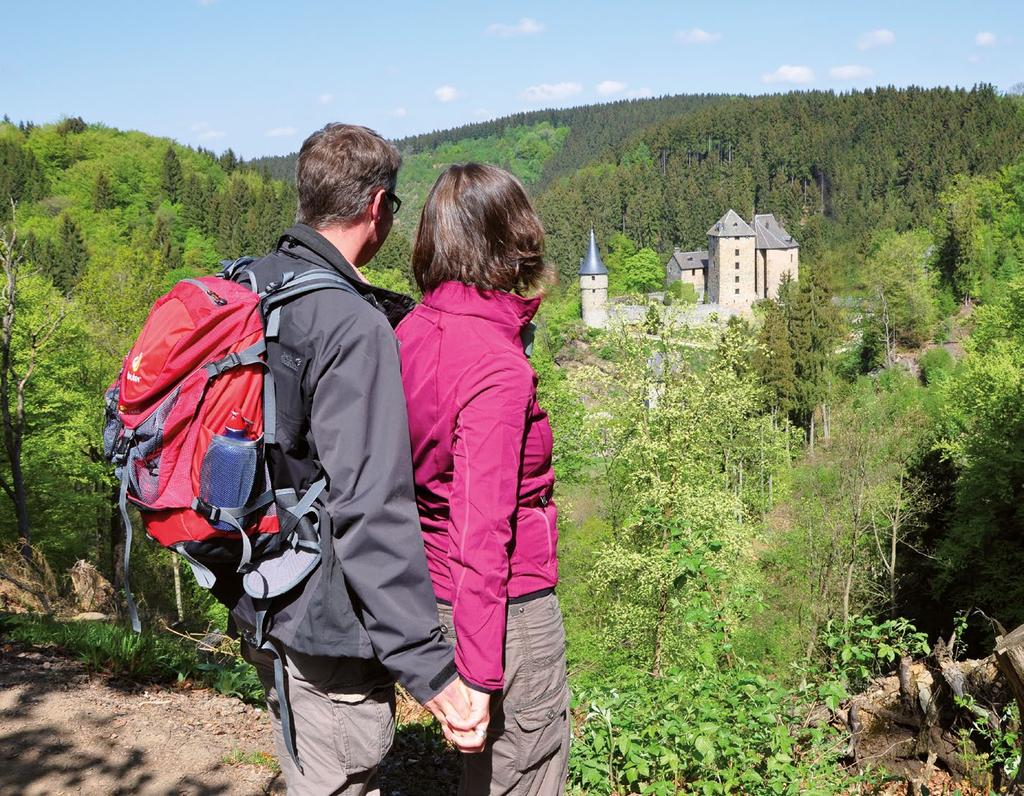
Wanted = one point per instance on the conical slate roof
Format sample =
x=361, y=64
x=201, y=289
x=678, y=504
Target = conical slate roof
x=730, y=226
x=592, y=264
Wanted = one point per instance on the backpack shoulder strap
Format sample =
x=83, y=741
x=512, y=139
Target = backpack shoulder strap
x=276, y=294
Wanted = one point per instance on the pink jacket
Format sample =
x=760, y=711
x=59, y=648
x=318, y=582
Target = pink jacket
x=481, y=449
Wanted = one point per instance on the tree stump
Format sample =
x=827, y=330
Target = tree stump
x=1009, y=655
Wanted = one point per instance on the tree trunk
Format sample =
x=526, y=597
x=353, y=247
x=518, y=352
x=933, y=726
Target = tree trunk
x=176, y=567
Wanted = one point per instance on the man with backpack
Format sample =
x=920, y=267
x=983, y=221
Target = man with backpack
x=365, y=615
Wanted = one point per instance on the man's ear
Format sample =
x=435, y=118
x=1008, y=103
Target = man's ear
x=377, y=205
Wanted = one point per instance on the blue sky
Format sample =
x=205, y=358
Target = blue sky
x=258, y=76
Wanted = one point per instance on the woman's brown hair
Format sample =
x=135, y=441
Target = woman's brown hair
x=478, y=227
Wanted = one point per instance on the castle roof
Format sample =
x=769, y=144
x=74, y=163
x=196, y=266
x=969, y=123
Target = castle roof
x=686, y=261
x=592, y=264
x=730, y=226
x=771, y=234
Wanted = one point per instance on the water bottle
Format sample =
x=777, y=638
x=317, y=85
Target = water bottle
x=230, y=466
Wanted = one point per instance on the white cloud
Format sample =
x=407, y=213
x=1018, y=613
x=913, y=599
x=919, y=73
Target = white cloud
x=399, y=113
x=205, y=132
x=610, y=87
x=696, y=36
x=280, y=132
x=882, y=37
x=849, y=72
x=524, y=27
x=974, y=59
x=325, y=99
x=985, y=39
x=551, y=92
x=789, y=74
x=447, y=93
x=640, y=93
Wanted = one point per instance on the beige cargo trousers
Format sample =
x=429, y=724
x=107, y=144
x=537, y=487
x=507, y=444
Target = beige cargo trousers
x=527, y=752
x=343, y=715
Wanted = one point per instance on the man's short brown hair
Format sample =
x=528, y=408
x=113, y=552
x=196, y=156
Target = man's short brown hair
x=479, y=228
x=340, y=166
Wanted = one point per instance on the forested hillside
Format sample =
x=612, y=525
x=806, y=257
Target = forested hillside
x=595, y=130
x=834, y=168
x=755, y=517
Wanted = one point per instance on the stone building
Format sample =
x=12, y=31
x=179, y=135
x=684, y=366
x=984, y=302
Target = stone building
x=594, y=287
x=743, y=262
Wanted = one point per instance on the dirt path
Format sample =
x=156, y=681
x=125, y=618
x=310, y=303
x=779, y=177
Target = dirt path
x=64, y=731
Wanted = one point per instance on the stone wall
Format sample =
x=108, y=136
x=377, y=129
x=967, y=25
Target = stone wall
x=733, y=260
x=779, y=262
x=594, y=300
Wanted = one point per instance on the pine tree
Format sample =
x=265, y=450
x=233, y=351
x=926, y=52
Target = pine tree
x=172, y=181
x=228, y=161
x=162, y=240
x=102, y=193
x=773, y=360
x=814, y=327
x=68, y=258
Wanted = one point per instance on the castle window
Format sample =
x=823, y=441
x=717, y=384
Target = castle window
x=737, y=252
x=791, y=256
x=737, y=291
x=737, y=277
x=737, y=266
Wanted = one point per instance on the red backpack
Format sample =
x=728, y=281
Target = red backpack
x=187, y=420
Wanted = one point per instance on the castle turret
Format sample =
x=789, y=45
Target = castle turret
x=594, y=287
x=731, y=262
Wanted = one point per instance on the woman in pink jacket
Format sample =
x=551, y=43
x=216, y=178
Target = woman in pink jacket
x=482, y=461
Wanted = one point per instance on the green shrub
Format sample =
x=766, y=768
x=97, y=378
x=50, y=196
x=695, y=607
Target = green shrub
x=864, y=647
x=716, y=732
x=935, y=363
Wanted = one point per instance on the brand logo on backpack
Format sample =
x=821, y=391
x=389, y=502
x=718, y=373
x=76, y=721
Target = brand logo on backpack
x=133, y=374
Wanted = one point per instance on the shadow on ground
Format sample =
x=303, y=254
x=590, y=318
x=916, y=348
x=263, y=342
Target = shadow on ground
x=420, y=764
x=63, y=731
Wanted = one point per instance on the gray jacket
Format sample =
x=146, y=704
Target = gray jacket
x=341, y=413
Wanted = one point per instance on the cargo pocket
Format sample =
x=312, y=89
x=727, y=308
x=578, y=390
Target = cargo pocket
x=542, y=728
x=367, y=728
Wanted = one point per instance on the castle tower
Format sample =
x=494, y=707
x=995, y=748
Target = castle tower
x=731, y=262
x=778, y=254
x=594, y=287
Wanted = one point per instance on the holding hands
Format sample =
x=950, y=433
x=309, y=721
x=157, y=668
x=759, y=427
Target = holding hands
x=464, y=714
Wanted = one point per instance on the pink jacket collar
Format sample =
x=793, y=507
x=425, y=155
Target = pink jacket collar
x=503, y=308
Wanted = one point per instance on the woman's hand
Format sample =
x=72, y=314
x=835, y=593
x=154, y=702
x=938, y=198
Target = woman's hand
x=463, y=714
x=474, y=737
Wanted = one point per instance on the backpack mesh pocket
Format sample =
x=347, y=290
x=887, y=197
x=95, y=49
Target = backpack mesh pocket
x=144, y=457
x=112, y=425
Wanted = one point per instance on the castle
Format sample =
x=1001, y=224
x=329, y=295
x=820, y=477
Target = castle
x=742, y=264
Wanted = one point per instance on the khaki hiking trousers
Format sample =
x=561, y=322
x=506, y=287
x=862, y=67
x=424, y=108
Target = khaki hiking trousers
x=527, y=751
x=343, y=714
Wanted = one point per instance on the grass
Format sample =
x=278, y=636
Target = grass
x=254, y=758
x=147, y=656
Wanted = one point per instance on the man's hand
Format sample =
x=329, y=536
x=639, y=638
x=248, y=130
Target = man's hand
x=463, y=714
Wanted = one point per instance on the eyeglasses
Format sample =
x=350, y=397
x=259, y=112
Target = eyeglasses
x=396, y=203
